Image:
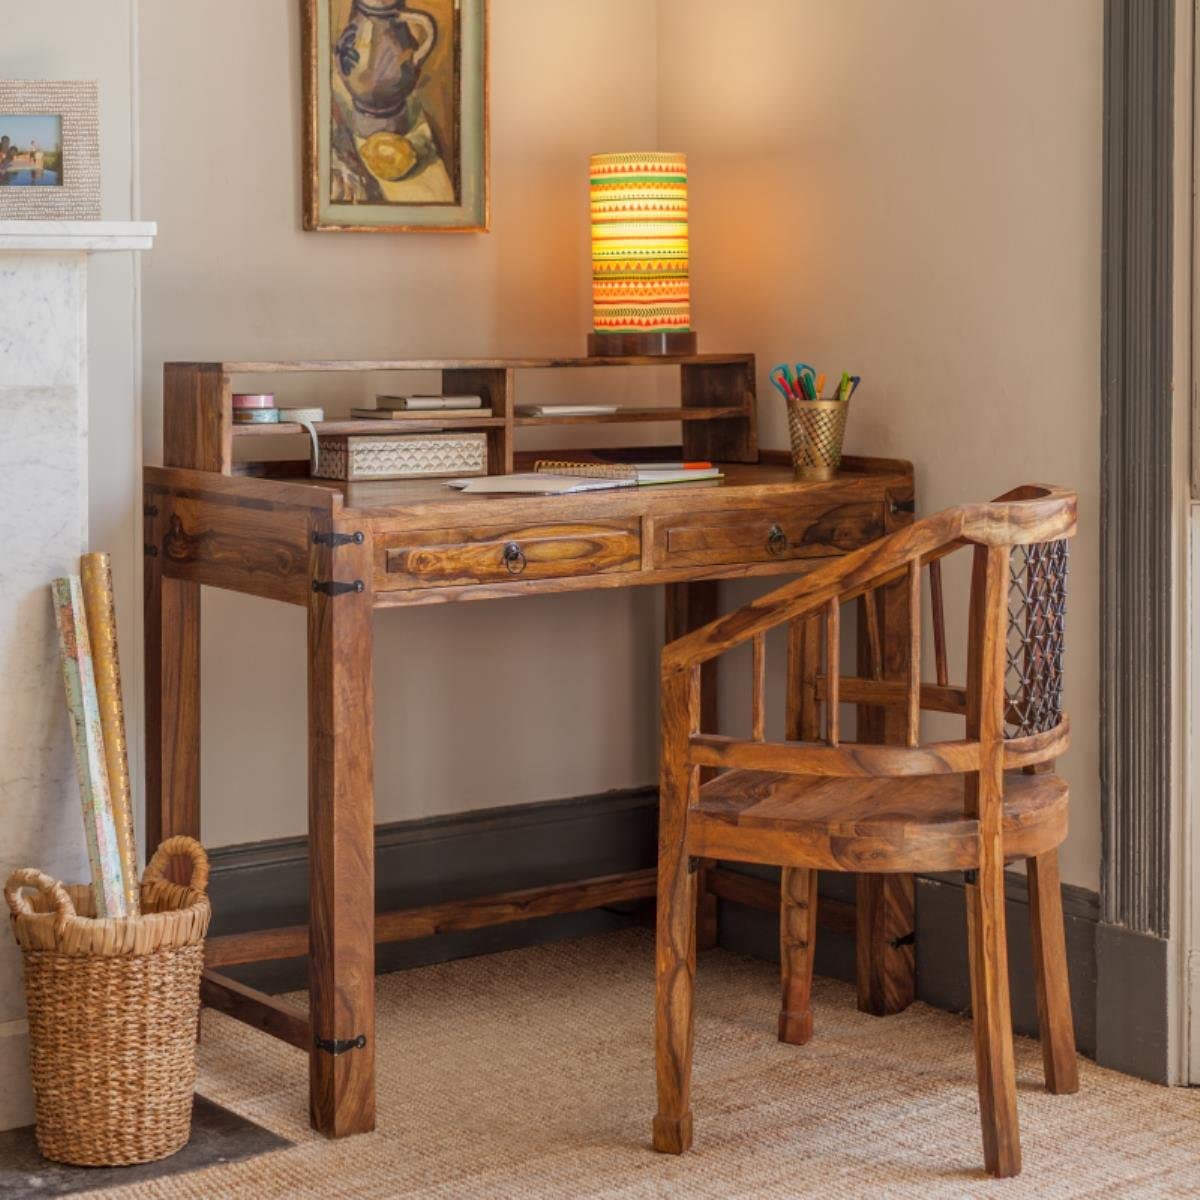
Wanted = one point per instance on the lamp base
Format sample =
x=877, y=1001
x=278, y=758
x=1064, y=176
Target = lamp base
x=641, y=345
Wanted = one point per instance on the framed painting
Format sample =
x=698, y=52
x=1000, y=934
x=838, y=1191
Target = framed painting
x=49, y=150
x=396, y=116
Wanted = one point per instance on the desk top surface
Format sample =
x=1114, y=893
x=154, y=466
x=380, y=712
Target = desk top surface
x=744, y=485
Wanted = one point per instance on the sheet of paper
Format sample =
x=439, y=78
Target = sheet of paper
x=534, y=483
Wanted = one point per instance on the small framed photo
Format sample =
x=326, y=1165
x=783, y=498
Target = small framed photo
x=49, y=150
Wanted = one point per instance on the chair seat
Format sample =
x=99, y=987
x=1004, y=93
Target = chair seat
x=916, y=823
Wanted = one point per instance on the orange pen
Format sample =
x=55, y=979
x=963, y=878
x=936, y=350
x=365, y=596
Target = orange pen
x=820, y=385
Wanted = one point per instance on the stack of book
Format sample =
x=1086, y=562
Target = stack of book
x=423, y=408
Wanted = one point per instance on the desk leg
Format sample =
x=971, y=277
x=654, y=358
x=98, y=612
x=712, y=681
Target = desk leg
x=688, y=606
x=885, y=903
x=341, y=831
x=172, y=693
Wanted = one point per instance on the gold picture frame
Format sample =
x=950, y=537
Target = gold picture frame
x=396, y=123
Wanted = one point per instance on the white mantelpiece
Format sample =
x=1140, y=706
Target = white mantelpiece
x=43, y=530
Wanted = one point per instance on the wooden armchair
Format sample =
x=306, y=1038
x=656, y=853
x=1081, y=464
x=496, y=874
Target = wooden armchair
x=819, y=803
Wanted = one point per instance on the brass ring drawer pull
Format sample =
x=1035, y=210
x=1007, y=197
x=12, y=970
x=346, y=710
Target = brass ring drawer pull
x=514, y=558
x=776, y=540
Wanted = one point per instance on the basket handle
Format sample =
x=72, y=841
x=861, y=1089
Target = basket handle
x=19, y=904
x=181, y=847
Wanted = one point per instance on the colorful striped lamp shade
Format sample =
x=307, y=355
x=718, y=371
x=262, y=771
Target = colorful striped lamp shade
x=641, y=298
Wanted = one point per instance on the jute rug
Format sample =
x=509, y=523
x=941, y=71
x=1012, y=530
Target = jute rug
x=530, y=1074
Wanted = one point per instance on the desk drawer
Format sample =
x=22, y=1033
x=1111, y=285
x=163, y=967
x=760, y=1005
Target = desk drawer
x=508, y=553
x=766, y=534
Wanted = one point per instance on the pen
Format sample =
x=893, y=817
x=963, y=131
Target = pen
x=820, y=386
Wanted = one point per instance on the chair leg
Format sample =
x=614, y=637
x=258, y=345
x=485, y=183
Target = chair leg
x=993, y=1020
x=676, y=966
x=797, y=944
x=1050, y=975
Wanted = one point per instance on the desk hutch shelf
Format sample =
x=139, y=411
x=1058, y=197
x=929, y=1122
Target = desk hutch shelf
x=716, y=410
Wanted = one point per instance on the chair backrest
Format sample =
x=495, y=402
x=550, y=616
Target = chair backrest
x=1037, y=611
x=1012, y=699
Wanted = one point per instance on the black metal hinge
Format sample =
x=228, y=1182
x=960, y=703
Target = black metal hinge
x=905, y=506
x=333, y=540
x=335, y=587
x=335, y=1047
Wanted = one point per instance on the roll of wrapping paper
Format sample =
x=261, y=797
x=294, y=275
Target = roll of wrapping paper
x=88, y=737
x=96, y=572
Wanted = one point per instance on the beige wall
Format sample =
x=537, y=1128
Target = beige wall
x=916, y=194
x=918, y=197
x=477, y=705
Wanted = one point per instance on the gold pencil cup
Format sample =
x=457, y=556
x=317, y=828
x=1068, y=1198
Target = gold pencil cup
x=817, y=428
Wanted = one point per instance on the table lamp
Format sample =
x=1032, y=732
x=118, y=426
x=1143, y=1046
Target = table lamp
x=641, y=300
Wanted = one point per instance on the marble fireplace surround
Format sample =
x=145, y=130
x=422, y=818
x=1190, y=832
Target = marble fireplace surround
x=43, y=530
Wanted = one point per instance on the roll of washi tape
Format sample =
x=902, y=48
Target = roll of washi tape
x=253, y=400
x=308, y=417
x=256, y=416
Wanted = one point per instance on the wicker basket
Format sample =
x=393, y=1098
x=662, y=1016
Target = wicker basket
x=113, y=1006
x=817, y=428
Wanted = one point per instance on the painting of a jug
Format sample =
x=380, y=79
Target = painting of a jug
x=396, y=115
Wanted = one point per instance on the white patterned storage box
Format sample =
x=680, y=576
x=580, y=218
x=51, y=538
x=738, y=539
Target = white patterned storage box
x=408, y=456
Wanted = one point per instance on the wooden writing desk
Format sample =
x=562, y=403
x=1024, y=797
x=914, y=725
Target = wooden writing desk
x=344, y=550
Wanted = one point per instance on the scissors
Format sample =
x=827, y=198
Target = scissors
x=782, y=377
x=806, y=375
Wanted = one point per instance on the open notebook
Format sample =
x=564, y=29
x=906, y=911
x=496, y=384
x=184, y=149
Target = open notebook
x=564, y=478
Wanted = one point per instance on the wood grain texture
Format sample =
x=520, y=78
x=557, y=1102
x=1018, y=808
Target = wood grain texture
x=986, y=803
x=326, y=365
x=835, y=915
x=1051, y=983
x=758, y=688
x=731, y=440
x=870, y=824
x=449, y=557
x=676, y=923
x=851, y=759
x=687, y=606
x=833, y=673
x=803, y=665
x=853, y=689
x=260, y=550
x=938, y=609
x=885, y=957
x=171, y=681
x=497, y=386
x=912, y=658
x=795, y=528
x=453, y=916
x=341, y=830
x=197, y=417
x=269, y=1014
x=797, y=947
x=884, y=562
